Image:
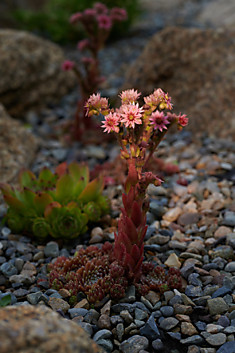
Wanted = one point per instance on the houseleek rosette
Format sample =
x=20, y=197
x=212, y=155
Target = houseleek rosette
x=66, y=222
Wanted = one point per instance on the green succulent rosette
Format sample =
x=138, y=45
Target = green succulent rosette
x=93, y=211
x=41, y=228
x=66, y=223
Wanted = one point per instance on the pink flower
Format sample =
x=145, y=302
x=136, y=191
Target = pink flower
x=158, y=97
x=95, y=104
x=110, y=124
x=182, y=120
x=104, y=22
x=100, y=8
x=129, y=96
x=131, y=114
x=118, y=14
x=83, y=44
x=75, y=17
x=68, y=65
x=88, y=60
x=159, y=121
x=89, y=13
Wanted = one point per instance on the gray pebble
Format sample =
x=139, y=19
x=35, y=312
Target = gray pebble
x=102, y=334
x=34, y=298
x=134, y=344
x=150, y=329
x=168, y=323
x=167, y=310
x=8, y=269
x=51, y=249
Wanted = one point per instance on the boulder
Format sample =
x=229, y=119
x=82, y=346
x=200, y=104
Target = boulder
x=17, y=145
x=30, y=71
x=32, y=329
x=218, y=13
x=197, y=68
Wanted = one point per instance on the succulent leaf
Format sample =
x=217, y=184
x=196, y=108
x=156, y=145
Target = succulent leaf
x=92, y=190
x=41, y=200
x=27, y=179
x=46, y=178
x=64, y=188
x=79, y=171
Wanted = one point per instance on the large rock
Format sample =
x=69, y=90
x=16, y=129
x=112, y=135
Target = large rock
x=197, y=68
x=30, y=329
x=17, y=145
x=218, y=13
x=30, y=71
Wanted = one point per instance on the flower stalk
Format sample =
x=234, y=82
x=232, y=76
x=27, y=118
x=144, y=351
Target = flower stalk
x=139, y=131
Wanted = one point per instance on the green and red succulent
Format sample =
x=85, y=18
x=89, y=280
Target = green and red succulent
x=57, y=205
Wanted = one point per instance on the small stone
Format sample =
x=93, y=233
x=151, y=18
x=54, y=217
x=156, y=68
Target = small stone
x=193, y=349
x=58, y=304
x=188, y=218
x=150, y=329
x=212, y=328
x=188, y=329
x=82, y=304
x=77, y=312
x=221, y=292
x=153, y=297
x=64, y=293
x=158, y=345
x=120, y=331
x=117, y=308
x=106, y=345
x=38, y=256
x=87, y=327
x=126, y=316
x=217, y=339
x=106, y=308
x=34, y=298
x=104, y=322
x=229, y=219
x=172, y=215
x=28, y=270
x=227, y=347
x=183, y=309
x=134, y=344
x=8, y=269
x=173, y=261
x=217, y=306
x=51, y=249
x=140, y=314
x=169, y=323
x=19, y=263
x=193, y=291
x=167, y=310
x=221, y=232
x=102, y=334
x=230, y=267
x=196, y=339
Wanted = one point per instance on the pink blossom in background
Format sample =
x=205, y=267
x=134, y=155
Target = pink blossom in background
x=89, y=12
x=131, y=114
x=75, y=17
x=110, y=124
x=68, y=65
x=159, y=121
x=129, y=96
x=88, y=60
x=83, y=44
x=183, y=121
x=100, y=8
x=97, y=103
x=118, y=14
x=104, y=22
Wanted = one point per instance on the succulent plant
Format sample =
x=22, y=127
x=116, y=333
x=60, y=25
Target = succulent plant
x=57, y=204
x=97, y=273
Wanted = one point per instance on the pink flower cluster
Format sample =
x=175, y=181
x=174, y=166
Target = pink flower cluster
x=100, y=14
x=130, y=114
